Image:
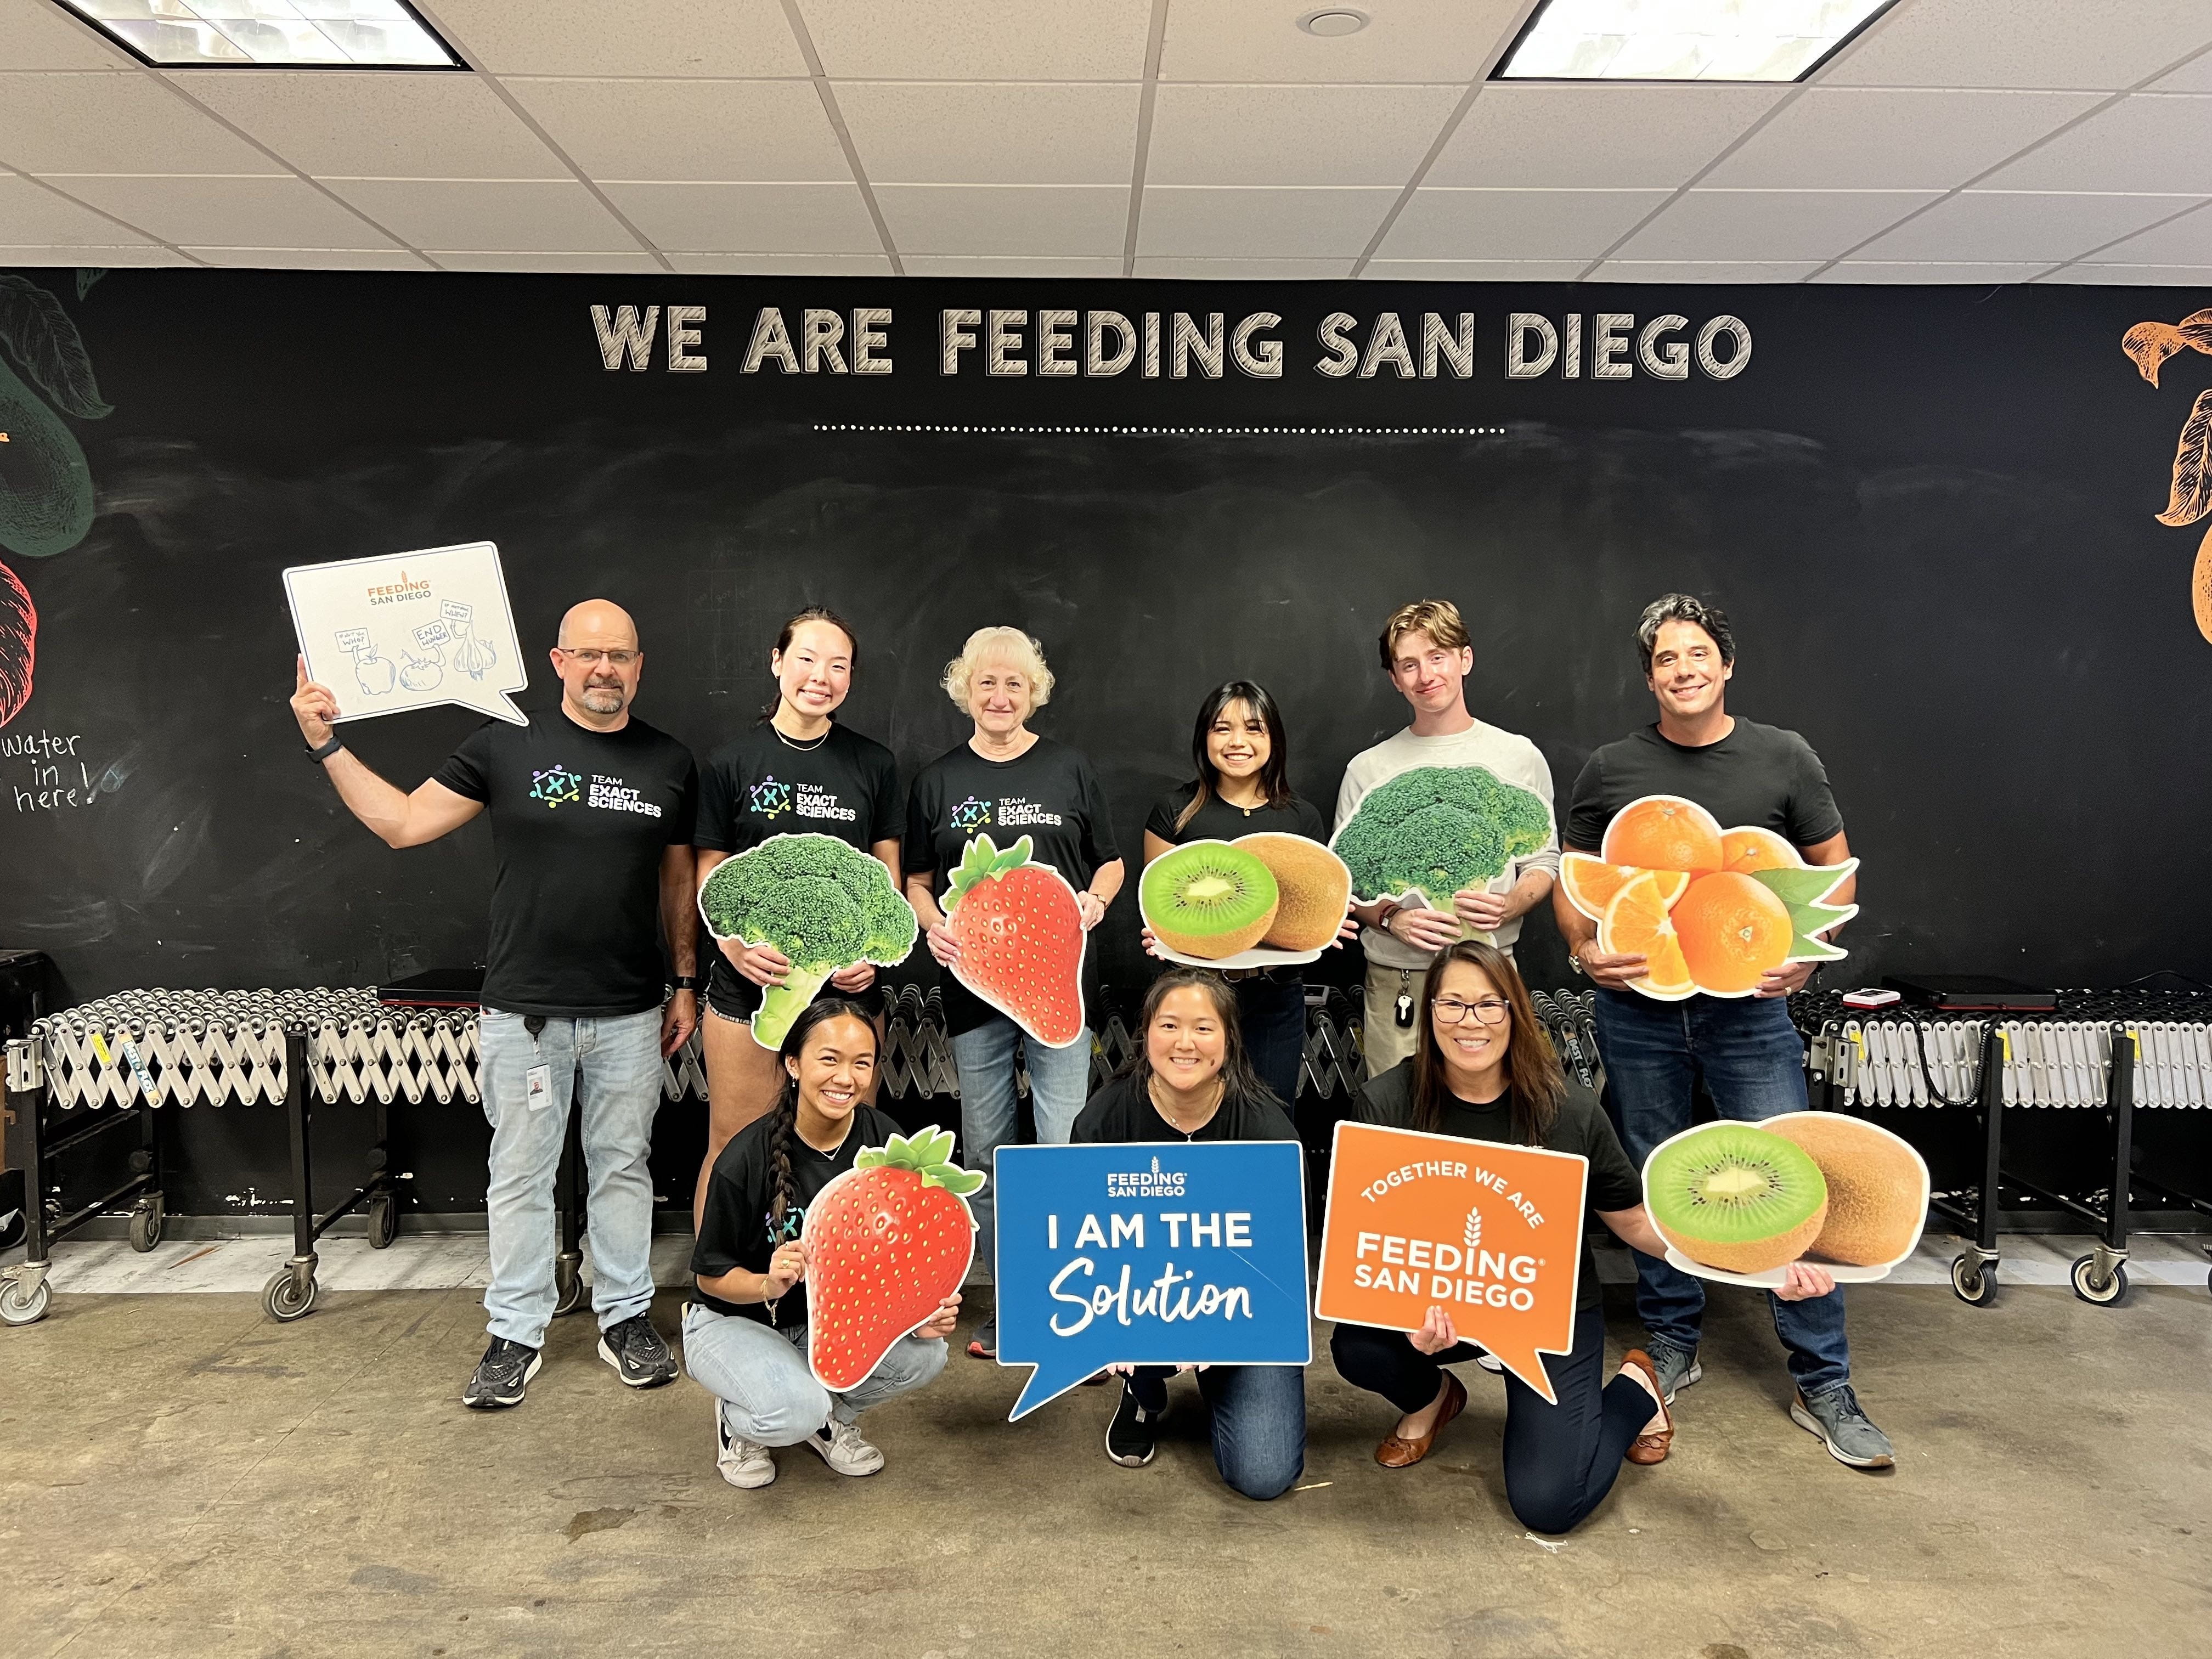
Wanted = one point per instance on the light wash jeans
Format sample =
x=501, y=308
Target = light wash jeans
x=1060, y=1082
x=768, y=1396
x=619, y=1062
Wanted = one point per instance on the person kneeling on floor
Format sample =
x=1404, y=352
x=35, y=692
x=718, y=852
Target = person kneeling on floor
x=744, y=1335
x=1483, y=1069
x=1189, y=1077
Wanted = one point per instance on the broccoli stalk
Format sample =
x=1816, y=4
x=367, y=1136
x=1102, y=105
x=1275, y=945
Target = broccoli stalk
x=1438, y=830
x=825, y=904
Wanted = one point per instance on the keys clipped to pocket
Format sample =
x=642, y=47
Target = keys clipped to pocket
x=1402, y=1010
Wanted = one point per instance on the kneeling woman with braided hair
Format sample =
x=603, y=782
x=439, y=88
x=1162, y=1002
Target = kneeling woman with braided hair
x=744, y=1335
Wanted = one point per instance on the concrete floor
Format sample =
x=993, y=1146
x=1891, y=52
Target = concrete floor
x=180, y=1477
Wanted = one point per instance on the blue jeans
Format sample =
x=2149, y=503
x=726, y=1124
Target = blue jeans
x=1060, y=1082
x=767, y=1394
x=1752, y=1063
x=1259, y=1421
x=1271, y=1014
x=619, y=1062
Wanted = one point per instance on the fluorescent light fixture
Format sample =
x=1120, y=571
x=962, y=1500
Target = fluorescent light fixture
x=1683, y=40
x=250, y=33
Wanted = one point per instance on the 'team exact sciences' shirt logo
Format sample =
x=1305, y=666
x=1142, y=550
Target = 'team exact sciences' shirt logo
x=768, y=799
x=556, y=786
x=1008, y=812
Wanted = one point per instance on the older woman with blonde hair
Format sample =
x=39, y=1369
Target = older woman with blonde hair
x=1006, y=782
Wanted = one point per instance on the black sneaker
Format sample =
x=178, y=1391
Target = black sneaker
x=1130, y=1436
x=501, y=1375
x=636, y=1352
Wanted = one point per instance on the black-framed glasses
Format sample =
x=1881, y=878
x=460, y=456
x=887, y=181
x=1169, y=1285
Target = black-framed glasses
x=592, y=658
x=1491, y=1010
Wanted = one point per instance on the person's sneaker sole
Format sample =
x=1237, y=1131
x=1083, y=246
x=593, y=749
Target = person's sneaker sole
x=501, y=1402
x=1695, y=1374
x=608, y=1354
x=1805, y=1420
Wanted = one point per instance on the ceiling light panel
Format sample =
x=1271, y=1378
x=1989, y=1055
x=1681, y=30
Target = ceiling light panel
x=1684, y=40
x=249, y=34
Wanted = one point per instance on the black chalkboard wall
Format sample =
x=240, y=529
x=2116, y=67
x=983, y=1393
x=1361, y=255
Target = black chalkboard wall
x=1928, y=511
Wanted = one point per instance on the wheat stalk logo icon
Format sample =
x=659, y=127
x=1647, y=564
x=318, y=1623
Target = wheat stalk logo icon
x=1473, y=1236
x=1156, y=1166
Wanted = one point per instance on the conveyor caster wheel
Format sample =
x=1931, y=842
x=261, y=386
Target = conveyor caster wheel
x=383, y=1221
x=146, y=1224
x=568, y=1284
x=2108, y=1293
x=22, y=1306
x=1975, y=1281
x=285, y=1298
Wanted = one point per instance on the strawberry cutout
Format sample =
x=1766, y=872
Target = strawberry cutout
x=886, y=1243
x=1020, y=931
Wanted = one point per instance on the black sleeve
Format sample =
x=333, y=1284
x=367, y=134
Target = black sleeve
x=1098, y=846
x=1613, y=1182
x=1161, y=820
x=883, y=801
x=732, y=1225
x=1382, y=1100
x=1586, y=815
x=1310, y=822
x=713, y=830
x=1812, y=815
x=687, y=806
x=1272, y=1122
x=920, y=852
x=467, y=769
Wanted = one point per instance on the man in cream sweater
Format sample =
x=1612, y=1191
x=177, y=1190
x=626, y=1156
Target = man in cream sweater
x=1427, y=652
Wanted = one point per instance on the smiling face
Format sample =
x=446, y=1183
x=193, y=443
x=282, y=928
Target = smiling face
x=1237, y=742
x=1186, y=1041
x=1687, y=675
x=1429, y=676
x=1471, y=1020
x=598, y=658
x=1000, y=696
x=833, y=1068
x=815, y=672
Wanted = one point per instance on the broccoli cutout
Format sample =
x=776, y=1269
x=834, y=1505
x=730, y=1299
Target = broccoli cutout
x=825, y=904
x=1438, y=830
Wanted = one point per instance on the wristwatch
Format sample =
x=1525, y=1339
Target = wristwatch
x=1575, y=962
x=322, y=751
x=685, y=981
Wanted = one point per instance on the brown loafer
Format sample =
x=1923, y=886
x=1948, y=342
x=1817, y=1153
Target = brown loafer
x=1651, y=1446
x=1396, y=1454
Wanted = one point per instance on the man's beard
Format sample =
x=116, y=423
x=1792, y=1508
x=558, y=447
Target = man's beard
x=602, y=699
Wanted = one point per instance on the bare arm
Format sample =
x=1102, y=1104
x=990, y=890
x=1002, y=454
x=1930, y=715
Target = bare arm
x=1487, y=912
x=1098, y=898
x=399, y=820
x=1614, y=972
x=679, y=926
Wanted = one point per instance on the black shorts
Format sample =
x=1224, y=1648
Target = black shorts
x=730, y=993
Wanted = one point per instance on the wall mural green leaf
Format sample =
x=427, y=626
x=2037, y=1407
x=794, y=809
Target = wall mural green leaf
x=40, y=336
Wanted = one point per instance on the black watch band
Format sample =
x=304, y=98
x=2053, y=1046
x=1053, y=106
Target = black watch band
x=685, y=982
x=322, y=751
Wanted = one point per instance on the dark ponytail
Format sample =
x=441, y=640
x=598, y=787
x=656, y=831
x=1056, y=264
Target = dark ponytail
x=821, y=613
x=786, y=1109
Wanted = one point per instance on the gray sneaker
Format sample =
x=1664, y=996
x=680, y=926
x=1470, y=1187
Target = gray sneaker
x=1678, y=1368
x=1850, y=1435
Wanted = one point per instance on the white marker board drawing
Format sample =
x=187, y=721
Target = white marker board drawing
x=410, y=630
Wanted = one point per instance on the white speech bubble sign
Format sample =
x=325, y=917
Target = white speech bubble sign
x=410, y=630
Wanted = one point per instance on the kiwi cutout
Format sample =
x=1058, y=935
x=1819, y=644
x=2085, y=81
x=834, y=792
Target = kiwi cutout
x=1316, y=888
x=1877, y=1187
x=1732, y=1196
x=1206, y=899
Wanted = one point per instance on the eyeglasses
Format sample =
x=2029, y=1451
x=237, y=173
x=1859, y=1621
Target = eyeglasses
x=1450, y=1010
x=592, y=658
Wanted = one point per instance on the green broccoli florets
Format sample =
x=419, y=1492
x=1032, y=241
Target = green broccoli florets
x=825, y=904
x=1436, y=830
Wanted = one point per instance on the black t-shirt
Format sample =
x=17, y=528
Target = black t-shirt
x=1123, y=1110
x=1581, y=1127
x=1218, y=821
x=579, y=822
x=759, y=784
x=1758, y=775
x=1048, y=793
x=734, y=1226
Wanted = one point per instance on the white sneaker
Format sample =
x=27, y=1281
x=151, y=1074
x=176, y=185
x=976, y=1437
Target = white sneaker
x=844, y=1448
x=743, y=1463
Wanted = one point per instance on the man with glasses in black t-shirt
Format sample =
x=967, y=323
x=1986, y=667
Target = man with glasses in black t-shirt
x=592, y=813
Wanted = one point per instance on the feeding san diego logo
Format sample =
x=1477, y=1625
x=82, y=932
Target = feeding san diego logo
x=556, y=786
x=1154, y=1182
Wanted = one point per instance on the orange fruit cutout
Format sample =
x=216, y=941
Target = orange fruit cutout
x=1664, y=832
x=1731, y=930
x=1748, y=849
x=1591, y=882
x=1637, y=924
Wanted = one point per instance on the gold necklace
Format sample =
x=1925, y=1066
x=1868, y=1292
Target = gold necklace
x=1152, y=1092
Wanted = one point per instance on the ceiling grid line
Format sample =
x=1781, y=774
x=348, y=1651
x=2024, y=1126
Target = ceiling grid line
x=52, y=189
x=828, y=94
x=1155, y=42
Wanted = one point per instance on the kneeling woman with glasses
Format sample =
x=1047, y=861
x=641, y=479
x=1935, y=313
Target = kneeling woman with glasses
x=1484, y=1070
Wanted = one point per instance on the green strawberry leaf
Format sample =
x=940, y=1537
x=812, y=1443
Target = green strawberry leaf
x=1806, y=886
x=953, y=1179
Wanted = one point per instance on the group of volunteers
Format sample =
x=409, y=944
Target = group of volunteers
x=604, y=827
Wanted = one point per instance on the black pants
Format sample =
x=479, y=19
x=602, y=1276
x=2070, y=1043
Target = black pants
x=1272, y=1013
x=1560, y=1460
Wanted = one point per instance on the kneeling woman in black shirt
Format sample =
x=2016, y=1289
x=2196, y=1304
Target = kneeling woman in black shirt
x=1483, y=1069
x=1190, y=1079
x=745, y=1337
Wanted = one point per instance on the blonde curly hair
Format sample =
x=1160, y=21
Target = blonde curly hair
x=1024, y=650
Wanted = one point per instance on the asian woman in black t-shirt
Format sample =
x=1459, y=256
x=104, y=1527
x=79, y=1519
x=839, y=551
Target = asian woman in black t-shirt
x=1242, y=758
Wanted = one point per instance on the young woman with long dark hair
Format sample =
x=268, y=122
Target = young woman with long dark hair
x=1483, y=1069
x=744, y=1335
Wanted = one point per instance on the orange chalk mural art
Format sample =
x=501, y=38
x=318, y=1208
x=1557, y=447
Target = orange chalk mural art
x=2149, y=344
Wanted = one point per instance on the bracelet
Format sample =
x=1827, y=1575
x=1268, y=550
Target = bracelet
x=320, y=753
x=685, y=981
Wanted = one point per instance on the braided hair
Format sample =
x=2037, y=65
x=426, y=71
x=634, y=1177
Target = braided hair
x=786, y=1108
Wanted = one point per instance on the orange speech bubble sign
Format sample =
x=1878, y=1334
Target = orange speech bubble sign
x=1489, y=1233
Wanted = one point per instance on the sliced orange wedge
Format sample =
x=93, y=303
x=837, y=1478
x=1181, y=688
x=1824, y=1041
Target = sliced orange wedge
x=1591, y=884
x=1635, y=924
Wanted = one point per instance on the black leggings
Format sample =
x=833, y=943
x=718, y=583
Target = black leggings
x=1560, y=1460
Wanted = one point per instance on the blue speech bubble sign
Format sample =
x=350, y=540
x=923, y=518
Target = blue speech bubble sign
x=1173, y=1252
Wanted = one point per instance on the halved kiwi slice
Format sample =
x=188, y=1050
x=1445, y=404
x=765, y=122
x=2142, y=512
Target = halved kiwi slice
x=1733, y=1196
x=1208, y=899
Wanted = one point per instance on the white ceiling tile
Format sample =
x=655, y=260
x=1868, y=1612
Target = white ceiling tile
x=2133, y=275
x=1876, y=271
x=1704, y=271
x=149, y=254
x=965, y=132
x=750, y=218
x=35, y=35
x=1232, y=270
x=1855, y=138
x=387, y=126
x=1260, y=222
x=2097, y=44
x=311, y=259
x=1474, y=270
x=2014, y=226
x=782, y=264
x=1515, y=224
x=1595, y=138
x=480, y=259
x=114, y=124
x=1028, y=221
x=1769, y=224
x=2151, y=141
x=505, y=214
x=694, y=128
x=732, y=39
x=31, y=213
x=226, y=212
x=1405, y=40
x=937, y=265
x=981, y=39
x=1294, y=135
x=2186, y=240
x=2195, y=75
